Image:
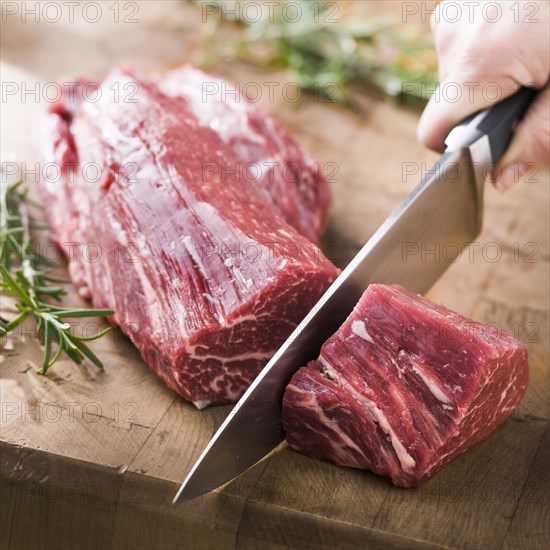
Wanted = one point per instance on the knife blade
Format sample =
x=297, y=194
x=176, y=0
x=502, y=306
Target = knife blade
x=444, y=210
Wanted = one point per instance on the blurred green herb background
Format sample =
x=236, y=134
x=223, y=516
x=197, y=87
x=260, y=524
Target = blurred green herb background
x=325, y=47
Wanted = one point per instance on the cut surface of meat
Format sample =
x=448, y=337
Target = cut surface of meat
x=193, y=217
x=403, y=387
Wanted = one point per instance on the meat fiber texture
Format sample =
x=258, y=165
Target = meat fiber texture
x=192, y=216
x=403, y=387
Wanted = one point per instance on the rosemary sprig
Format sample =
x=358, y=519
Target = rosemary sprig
x=25, y=276
x=324, y=55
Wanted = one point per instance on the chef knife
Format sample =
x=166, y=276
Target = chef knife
x=444, y=212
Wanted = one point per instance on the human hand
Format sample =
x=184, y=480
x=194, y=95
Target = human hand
x=484, y=56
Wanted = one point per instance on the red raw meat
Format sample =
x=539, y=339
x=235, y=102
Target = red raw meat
x=403, y=387
x=208, y=262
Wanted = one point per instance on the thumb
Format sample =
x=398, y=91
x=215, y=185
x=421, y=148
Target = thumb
x=530, y=145
x=452, y=102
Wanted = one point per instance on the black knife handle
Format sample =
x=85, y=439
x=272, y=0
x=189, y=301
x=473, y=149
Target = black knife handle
x=499, y=122
x=502, y=119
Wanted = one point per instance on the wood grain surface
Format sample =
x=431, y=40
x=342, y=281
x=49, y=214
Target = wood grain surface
x=92, y=459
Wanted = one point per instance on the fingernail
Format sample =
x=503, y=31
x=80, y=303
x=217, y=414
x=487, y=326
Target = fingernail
x=514, y=152
x=509, y=176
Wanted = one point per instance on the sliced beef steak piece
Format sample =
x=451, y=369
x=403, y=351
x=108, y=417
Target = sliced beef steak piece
x=403, y=387
x=208, y=271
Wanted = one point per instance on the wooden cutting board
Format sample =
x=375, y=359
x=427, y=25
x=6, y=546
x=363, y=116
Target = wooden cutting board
x=92, y=459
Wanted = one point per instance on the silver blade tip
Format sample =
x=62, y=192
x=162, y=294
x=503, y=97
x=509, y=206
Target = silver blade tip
x=187, y=492
x=194, y=486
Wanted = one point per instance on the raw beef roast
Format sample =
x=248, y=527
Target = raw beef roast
x=404, y=386
x=193, y=216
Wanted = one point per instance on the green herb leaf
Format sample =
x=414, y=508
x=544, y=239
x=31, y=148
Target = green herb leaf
x=22, y=278
x=325, y=55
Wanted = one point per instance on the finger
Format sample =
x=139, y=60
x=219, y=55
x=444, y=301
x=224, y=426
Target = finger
x=530, y=145
x=435, y=18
